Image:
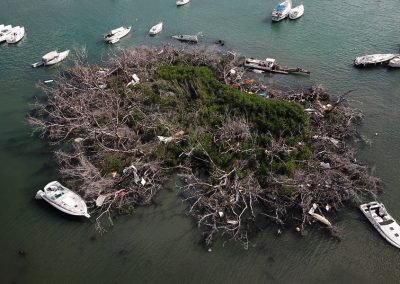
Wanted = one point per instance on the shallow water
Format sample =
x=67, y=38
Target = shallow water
x=159, y=243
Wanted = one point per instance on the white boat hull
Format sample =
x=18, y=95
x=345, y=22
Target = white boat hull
x=156, y=29
x=63, y=199
x=16, y=35
x=382, y=221
x=296, y=12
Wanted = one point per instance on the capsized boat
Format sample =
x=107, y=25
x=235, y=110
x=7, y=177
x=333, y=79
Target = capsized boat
x=296, y=12
x=116, y=34
x=156, y=29
x=182, y=2
x=373, y=59
x=63, y=199
x=51, y=58
x=16, y=34
x=281, y=11
x=384, y=223
x=270, y=65
x=395, y=62
x=186, y=38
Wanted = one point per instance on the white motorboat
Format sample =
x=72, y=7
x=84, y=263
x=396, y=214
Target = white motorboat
x=296, y=12
x=395, y=62
x=156, y=29
x=281, y=11
x=115, y=35
x=373, y=59
x=4, y=32
x=186, y=38
x=63, y=199
x=17, y=33
x=51, y=58
x=382, y=221
x=182, y=2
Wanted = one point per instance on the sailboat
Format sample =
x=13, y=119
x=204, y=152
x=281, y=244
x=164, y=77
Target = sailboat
x=281, y=11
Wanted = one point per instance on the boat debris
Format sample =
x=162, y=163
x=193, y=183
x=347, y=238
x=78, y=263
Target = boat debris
x=318, y=217
x=269, y=65
x=51, y=58
x=135, y=80
x=187, y=38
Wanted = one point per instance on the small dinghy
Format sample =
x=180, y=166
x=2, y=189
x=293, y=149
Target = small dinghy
x=17, y=33
x=296, y=12
x=384, y=223
x=156, y=29
x=182, y=2
x=395, y=62
x=116, y=34
x=373, y=59
x=186, y=38
x=63, y=199
x=51, y=58
x=281, y=11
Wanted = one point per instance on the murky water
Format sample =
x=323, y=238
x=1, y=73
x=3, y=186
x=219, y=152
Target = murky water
x=160, y=244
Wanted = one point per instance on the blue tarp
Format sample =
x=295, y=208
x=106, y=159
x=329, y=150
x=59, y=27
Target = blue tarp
x=280, y=7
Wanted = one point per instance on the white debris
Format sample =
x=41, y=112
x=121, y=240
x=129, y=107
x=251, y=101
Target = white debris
x=165, y=139
x=78, y=140
x=100, y=200
x=326, y=166
x=232, y=222
x=312, y=209
x=143, y=182
x=135, y=80
x=136, y=177
x=221, y=214
x=232, y=71
x=328, y=207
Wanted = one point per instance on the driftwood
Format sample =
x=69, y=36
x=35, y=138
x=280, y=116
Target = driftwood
x=86, y=110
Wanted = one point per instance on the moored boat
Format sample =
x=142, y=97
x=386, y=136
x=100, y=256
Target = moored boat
x=116, y=34
x=156, y=29
x=182, y=2
x=186, y=38
x=16, y=34
x=296, y=12
x=63, y=199
x=384, y=223
x=373, y=59
x=281, y=11
x=395, y=62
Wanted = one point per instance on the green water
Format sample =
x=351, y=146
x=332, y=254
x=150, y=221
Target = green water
x=160, y=244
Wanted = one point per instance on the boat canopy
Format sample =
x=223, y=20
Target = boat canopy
x=280, y=7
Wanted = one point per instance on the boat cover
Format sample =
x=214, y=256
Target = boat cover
x=280, y=7
x=49, y=56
